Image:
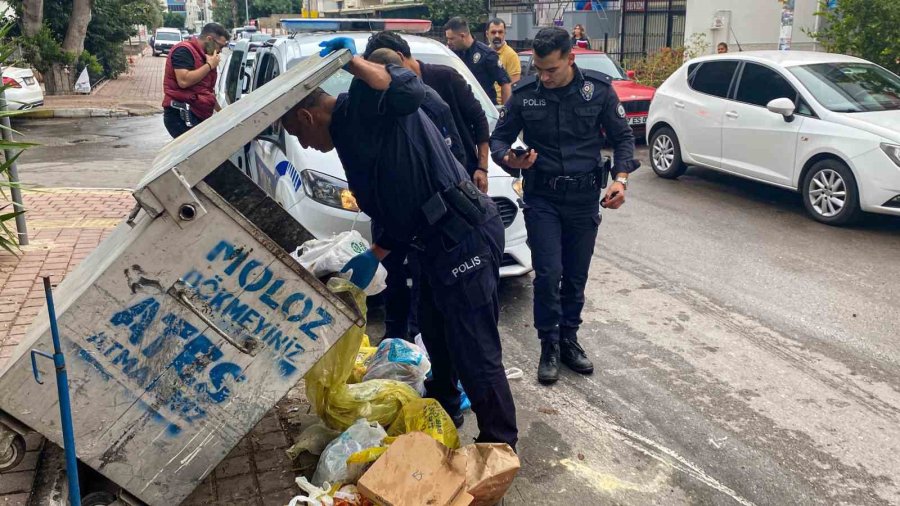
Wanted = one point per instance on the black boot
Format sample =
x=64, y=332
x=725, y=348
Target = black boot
x=548, y=368
x=573, y=355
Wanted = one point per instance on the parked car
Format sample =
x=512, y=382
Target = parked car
x=164, y=39
x=312, y=185
x=635, y=97
x=23, y=92
x=826, y=125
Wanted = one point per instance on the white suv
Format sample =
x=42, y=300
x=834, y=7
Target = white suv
x=826, y=125
x=312, y=185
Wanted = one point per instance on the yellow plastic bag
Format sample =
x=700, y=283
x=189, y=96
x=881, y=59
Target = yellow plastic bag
x=339, y=404
x=426, y=415
x=375, y=400
x=334, y=367
x=366, y=351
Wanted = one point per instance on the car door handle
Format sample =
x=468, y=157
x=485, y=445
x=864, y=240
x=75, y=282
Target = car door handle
x=679, y=105
x=731, y=114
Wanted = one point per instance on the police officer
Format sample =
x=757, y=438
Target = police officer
x=404, y=176
x=401, y=301
x=563, y=111
x=479, y=57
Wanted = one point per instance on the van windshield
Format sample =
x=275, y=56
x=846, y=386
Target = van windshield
x=168, y=36
x=850, y=86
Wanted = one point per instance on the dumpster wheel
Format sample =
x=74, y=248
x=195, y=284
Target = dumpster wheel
x=101, y=498
x=13, y=455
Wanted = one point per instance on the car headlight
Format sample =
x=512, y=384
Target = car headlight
x=517, y=187
x=893, y=152
x=328, y=190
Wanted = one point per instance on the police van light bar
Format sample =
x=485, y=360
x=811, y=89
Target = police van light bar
x=355, y=25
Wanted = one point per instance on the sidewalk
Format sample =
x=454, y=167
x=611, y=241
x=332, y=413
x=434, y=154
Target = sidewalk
x=135, y=93
x=64, y=227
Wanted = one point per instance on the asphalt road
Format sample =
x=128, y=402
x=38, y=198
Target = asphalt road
x=745, y=354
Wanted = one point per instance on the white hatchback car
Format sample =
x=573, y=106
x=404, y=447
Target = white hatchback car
x=311, y=185
x=826, y=125
x=23, y=92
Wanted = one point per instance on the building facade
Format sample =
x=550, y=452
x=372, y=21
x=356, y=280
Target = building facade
x=755, y=24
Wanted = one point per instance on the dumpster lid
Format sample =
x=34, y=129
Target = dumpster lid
x=188, y=159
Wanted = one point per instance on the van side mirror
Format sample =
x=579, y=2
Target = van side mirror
x=630, y=74
x=782, y=106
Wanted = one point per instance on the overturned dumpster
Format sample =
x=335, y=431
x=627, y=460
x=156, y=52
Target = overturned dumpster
x=191, y=320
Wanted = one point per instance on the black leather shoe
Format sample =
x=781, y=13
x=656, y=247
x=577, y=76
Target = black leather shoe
x=574, y=357
x=548, y=368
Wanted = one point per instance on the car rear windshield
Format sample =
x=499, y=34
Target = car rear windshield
x=340, y=82
x=168, y=36
x=851, y=87
x=600, y=63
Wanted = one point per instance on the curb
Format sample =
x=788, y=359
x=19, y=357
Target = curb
x=87, y=112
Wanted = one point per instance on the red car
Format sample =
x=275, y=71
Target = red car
x=634, y=97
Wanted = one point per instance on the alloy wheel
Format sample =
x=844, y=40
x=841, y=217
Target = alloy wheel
x=663, y=152
x=827, y=193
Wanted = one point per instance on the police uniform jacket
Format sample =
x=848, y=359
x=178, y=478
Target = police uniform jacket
x=439, y=113
x=485, y=65
x=394, y=156
x=566, y=127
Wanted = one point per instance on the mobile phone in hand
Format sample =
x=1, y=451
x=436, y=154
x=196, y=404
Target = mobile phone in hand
x=520, y=152
x=606, y=199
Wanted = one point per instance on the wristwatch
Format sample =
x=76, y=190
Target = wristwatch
x=623, y=181
x=482, y=169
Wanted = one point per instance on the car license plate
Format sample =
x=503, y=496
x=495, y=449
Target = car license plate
x=637, y=120
x=28, y=81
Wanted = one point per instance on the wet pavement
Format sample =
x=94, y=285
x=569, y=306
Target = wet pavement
x=745, y=354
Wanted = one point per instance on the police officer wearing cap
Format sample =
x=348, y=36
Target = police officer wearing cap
x=563, y=112
x=404, y=177
x=481, y=59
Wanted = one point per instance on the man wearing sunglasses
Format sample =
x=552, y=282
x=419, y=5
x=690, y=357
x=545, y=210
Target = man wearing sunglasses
x=190, y=79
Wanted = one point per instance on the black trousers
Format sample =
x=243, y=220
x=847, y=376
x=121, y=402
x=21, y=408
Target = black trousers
x=458, y=313
x=400, y=300
x=174, y=124
x=562, y=231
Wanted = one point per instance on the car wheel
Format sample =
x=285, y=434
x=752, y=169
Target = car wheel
x=13, y=455
x=665, y=154
x=830, y=194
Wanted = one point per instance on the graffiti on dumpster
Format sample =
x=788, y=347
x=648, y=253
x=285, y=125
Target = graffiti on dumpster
x=134, y=352
x=258, y=283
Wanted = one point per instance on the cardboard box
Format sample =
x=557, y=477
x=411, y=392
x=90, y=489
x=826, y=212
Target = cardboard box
x=417, y=470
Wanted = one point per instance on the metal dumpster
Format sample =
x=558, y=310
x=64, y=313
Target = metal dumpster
x=191, y=320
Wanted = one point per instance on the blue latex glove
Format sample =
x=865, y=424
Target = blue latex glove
x=362, y=268
x=331, y=45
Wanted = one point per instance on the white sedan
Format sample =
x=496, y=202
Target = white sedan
x=312, y=185
x=22, y=90
x=825, y=125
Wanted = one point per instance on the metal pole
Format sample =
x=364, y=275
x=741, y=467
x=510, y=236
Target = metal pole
x=65, y=407
x=247, y=12
x=15, y=191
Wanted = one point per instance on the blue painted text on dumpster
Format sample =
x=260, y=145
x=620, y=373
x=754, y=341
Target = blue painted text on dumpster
x=258, y=283
x=133, y=357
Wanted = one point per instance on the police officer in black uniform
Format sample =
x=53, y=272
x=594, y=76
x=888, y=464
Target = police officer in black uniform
x=403, y=175
x=481, y=59
x=563, y=111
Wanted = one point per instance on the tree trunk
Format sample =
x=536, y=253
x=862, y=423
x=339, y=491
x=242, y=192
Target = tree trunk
x=32, y=16
x=78, y=24
x=57, y=81
x=234, y=14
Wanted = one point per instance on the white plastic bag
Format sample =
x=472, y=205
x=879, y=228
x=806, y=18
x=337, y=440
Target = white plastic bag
x=399, y=360
x=328, y=256
x=332, y=466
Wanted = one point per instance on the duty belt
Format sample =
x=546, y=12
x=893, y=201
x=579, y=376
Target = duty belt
x=452, y=214
x=585, y=181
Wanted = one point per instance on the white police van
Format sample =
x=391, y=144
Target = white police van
x=312, y=185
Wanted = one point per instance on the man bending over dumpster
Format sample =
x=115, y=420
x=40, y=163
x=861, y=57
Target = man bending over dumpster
x=405, y=178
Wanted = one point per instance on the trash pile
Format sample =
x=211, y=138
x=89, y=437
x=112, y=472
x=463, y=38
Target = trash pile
x=378, y=441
